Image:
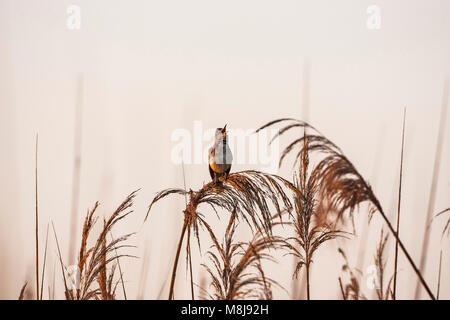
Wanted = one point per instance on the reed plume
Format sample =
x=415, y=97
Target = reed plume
x=394, y=290
x=352, y=289
x=340, y=186
x=439, y=276
x=22, y=291
x=434, y=180
x=93, y=262
x=310, y=227
x=380, y=263
x=250, y=194
x=36, y=219
x=237, y=272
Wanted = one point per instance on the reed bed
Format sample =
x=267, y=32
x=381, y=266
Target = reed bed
x=283, y=216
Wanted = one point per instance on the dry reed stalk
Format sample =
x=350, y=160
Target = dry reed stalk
x=177, y=256
x=352, y=290
x=93, y=261
x=53, y=281
x=447, y=225
x=22, y=291
x=297, y=285
x=435, y=177
x=439, y=276
x=101, y=278
x=189, y=262
x=43, y=267
x=446, y=228
x=341, y=187
x=266, y=292
x=37, y=219
x=98, y=254
x=88, y=224
x=380, y=263
x=394, y=291
x=67, y=292
x=311, y=229
x=342, y=288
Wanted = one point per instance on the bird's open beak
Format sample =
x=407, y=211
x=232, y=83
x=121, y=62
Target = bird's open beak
x=224, y=129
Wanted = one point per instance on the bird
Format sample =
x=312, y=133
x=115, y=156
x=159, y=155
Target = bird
x=220, y=156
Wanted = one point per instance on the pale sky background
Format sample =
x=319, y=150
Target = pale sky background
x=151, y=67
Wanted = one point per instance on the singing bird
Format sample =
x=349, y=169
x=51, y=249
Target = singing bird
x=220, y=156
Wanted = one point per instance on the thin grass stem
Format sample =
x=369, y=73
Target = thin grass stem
x=175, y=264
x=43, y=267
x=37, y=219
x=394, y=291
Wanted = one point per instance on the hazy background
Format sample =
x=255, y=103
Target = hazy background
x=141, y=69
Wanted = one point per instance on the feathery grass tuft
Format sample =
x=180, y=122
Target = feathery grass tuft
x=311, y=230
x=340, y=186
x=93, y=262
x=237, y=272
x=352, y=290
x=99, y=254
x=380, y=263
x=250, y=194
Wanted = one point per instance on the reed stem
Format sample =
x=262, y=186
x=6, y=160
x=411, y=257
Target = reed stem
x=308, y=297
x=37, y=220
x=175, y=264
x=394, y=291
x=435, y=177
x=405, y=252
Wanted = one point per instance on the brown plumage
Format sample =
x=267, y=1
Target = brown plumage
x=220, y=156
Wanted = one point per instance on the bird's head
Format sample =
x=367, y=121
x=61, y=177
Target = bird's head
x=221, y=133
